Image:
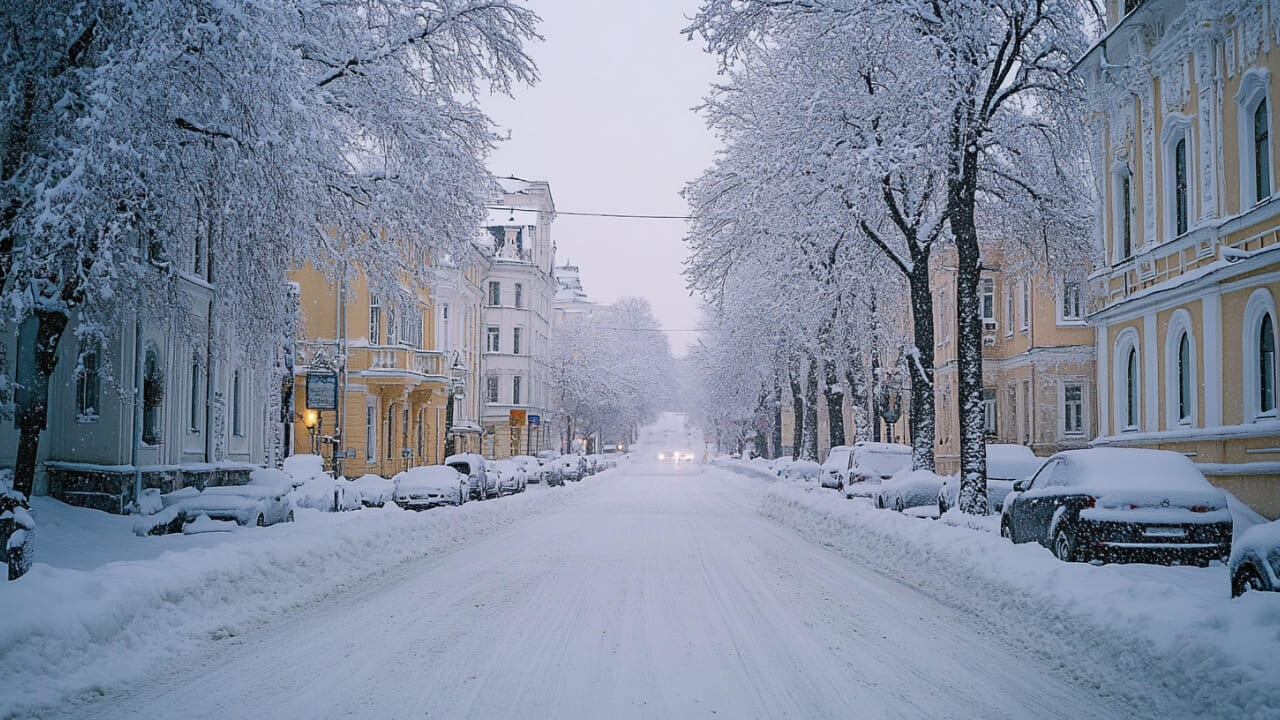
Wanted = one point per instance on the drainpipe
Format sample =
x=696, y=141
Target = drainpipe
x=135, y=455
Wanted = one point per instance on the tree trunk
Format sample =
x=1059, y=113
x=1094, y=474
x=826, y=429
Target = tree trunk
x=32, y=413
x=776, y=450
x=835, y=404
x=797, y=409
x=810, y=436
x=858, y=399
x=920, y=368
x=960, y=215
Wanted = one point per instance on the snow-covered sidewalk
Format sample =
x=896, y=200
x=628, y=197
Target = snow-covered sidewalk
x=94, y=613
x=1177, y=625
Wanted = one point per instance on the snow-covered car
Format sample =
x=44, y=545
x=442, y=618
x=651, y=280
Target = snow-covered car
x=568, y=468
x=252, y=504
x=1120, y=504
x=533, y=469
x=779, y=467
x=427, y=486
x=472, y=465
x=1255, y=560
x=551, y=473
x=1006, y=464
x=835, y=469
x=511, y=476
x=912, y=488
x=872, y=464
x=373, y=490
x=803, y=470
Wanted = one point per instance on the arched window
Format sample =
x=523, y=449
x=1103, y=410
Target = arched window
x=152, y=395
x=1132, y=396
x=1180, y=186
x=1267, y=365
x=1184, y=378
x=1261, y=150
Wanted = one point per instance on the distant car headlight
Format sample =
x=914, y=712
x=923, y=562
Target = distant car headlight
x=662, y=456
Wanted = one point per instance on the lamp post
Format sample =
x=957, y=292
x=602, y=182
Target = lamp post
x=889, y=400
x=457, y=384
x=311, y=419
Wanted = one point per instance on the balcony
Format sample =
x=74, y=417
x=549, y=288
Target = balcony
x=400, y=365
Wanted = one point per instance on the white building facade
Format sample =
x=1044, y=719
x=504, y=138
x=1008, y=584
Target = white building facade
x=211, y=407
x=518, y=294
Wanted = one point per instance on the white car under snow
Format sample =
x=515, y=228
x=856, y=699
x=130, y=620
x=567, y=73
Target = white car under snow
x=427, y=486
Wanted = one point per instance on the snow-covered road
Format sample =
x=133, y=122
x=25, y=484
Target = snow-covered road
x=654, y=594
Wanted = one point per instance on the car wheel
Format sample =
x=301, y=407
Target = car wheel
x=1006, y=530
x=289, y=517
x=899, y=505
x=879, y=502
x=1246, y=578
x=1064, y=546
x=942, y=509
x=261, y=521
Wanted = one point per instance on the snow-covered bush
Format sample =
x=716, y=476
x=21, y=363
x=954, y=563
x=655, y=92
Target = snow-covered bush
x=17, y=528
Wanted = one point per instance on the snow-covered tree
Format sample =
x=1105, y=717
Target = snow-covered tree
x=146, y=141
x=975, y=100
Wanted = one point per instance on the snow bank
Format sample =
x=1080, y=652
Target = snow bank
x=1211, y=655
x=66, y=633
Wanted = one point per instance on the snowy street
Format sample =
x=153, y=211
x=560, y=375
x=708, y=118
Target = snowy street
x=656, y=592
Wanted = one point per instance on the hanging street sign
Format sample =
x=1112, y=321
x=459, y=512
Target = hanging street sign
x=518, y=418
x=322, y=391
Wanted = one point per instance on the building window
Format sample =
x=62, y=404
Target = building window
x=515, y=390
x=1071, y=309
x=152, y=396
x=988, y=300
x=1132, y=394
x=494, y=340
x=391, y=427
x=370, y=433
x=515, y=341
x=1026, y=305
x=375, y=320
x=87, y=391
x=491, y=389
x=519, y=295
x=1184, y=379
x=989, y=411
x=1072, y=409
x=404, y=430
x=1180, y=186
x=446, y=339
x=1266, y=365
x=1261, y=151
x=391, y=325
x=495, y=293
x=1124, y=215
x=195, y=394
x=237, y=405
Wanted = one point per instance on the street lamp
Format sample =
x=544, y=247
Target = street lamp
x=457, y=375
x=311, y=419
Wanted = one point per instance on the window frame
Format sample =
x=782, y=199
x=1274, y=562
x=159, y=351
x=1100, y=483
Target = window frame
x=1178, y=131
x=515, y=390
x=492, y=389
x=88, y=384
x=1255, y=90
x=1122, y=244
x=375, y=320
x=493, y=339
x=237, y=403
x=494, y=296
x=1124, y=390
x=1260, y=305
x=1068, y=404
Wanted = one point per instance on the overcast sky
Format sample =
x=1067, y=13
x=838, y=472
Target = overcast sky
x=611, y=127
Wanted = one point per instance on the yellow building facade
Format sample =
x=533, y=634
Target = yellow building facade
x=1184, y=298
x=1037, y=360
x=382, y=369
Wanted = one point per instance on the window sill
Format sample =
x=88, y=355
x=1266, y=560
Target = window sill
x=88, y=419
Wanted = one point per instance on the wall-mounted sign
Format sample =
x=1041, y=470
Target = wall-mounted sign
x=535, y=419
x=518, y=418
x=322, y=391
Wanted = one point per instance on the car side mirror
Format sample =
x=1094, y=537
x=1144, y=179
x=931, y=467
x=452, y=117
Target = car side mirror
x=1020, y=486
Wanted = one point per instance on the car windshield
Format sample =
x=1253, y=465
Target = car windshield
x=883, y=462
